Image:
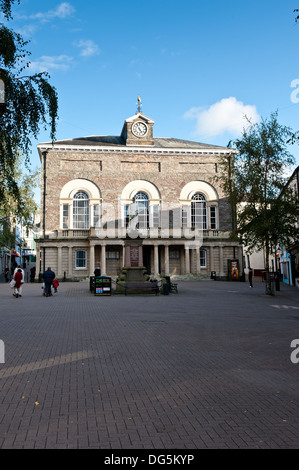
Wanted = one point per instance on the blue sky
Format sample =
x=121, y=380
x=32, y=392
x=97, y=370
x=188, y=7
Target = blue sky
x=198, y=66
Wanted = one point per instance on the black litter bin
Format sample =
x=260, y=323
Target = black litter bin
x=213, y=275
x=102, y=285
x=165, y=288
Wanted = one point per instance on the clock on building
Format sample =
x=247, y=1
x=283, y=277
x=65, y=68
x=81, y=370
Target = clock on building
x=139, y=129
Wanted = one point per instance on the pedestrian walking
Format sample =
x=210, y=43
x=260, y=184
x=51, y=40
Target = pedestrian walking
x=18, y=277
x=48, y=277
x=250, y=275
x=16, y=270
x=55, y=284
x=32, y=273
x=6, y=273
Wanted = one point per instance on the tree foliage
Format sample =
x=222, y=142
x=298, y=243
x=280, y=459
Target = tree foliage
x=30, y=103
x=21, y=211
x=5, y=7
x=254, y=177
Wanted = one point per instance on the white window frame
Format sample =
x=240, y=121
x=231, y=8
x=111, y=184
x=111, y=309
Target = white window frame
x=213, y=206
x=76, y=210
x=84, y=259
x=203, y=257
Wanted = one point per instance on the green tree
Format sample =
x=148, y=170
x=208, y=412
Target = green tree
x=21, y=211
x=253, y=177
x=30, y=102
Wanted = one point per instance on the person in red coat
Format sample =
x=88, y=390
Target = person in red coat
x=18, y=277
x=55, y=284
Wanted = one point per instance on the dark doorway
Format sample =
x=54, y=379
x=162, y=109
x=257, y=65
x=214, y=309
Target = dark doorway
x=146, y=252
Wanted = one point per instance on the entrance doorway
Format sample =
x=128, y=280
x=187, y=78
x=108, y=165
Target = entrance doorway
x=146, y=252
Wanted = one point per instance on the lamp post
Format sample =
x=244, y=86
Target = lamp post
x=277, y=271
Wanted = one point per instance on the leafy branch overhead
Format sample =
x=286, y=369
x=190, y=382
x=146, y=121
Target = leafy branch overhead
x=30, y=102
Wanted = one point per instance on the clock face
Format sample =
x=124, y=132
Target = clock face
x=139, y=129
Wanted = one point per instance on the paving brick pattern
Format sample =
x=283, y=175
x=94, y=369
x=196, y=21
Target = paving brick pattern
x=207, y=368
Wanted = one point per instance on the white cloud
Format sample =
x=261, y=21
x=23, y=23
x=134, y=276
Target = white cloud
x=88, y=47
x=47, y=63
x=27, y=30
x=63, y=10
x=227, y=115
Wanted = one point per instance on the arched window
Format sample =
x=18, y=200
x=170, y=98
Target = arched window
x=81, y=210
x=199, y=211
x=141, y=202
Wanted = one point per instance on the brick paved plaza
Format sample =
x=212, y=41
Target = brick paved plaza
x=207, y=368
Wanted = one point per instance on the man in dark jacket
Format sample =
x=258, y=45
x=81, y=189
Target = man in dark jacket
x=97, y=271
x=48, y=277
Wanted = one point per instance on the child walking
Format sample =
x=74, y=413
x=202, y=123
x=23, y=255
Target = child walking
x=55, y=284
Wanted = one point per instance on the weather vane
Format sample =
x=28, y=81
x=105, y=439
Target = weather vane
x=139, y=105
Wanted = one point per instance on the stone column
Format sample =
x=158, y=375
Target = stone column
x=59, y=261
x=123, y=257
x=212, y=263
x=37, y=265
x=92, y=259
x=103, y=260
x=222, y=274
x=127, y=256
x=197, y=260
x=140, y=257
x=156, y=259
x=166, y=259
x=182, y=259
x=70, y=263
x=187, y=259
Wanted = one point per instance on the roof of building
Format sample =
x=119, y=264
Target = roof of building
x=118, y=141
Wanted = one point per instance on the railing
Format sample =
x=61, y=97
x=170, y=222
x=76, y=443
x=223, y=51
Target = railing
x=141, y=233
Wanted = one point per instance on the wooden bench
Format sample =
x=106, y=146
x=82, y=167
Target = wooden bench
x=146, y=287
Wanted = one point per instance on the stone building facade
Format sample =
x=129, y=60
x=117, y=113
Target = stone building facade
x=134, y=200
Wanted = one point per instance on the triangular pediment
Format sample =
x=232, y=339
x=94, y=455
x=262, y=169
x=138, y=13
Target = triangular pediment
x=140, y=117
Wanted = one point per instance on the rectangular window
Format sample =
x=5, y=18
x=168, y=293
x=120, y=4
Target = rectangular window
x=199, y=215
x=80, y=259
x=112, y=254
x=156, y=217
x=203, y=258
x=143, y=216
x=96, y=216
x=185, y=216
x=174, y=254
x=127, y=216
x=213, y=218
x=81, y=214
x=65, y=216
